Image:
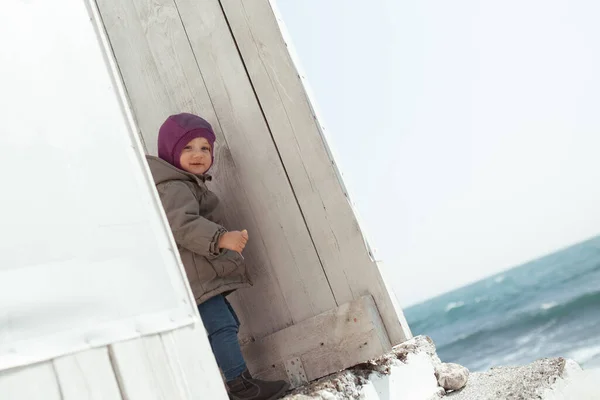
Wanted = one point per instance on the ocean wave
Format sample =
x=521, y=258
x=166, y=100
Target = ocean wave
x=547, y=306
x=515, y=355
x=453, y=305
x=574, y=305
x=499, y=279
x=586, y=272
x=525, y=320
x=534, y=334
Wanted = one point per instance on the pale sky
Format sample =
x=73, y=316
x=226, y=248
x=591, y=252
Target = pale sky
x=468, y=132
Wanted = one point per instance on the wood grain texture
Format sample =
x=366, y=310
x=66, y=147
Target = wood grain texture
x=187, y=348
x=329, y=342
x=165, y=73
x=33, y=382
x=144, y=371
x=173, y=365
x=333, y=226
x=87, y=375
x=297, y=267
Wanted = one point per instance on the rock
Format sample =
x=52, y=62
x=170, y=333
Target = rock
x=451, y=376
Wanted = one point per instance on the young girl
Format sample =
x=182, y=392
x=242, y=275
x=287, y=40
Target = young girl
x=211, y=255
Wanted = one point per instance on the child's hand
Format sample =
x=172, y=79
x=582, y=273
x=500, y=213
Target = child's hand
x=234, y=240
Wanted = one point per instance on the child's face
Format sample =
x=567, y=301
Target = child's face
x=196, y=156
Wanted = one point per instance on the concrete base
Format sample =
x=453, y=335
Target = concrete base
x=408, y=372
x=545, y=379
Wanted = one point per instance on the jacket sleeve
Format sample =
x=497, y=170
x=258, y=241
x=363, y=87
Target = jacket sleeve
x=189, y=228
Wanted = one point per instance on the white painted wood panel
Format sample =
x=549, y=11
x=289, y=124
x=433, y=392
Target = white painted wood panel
x=34, y=382
x=186, y=348
x=350, y=269
x=173, y=365
x=144, y=370
x=87, y=375
x=162, y=77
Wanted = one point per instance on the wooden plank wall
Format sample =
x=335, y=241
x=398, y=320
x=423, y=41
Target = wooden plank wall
x=173, y=365
x=228, y=62
x=273, y=169
x=328, y=213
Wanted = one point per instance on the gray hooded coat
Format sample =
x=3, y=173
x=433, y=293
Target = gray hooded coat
x=196, y=220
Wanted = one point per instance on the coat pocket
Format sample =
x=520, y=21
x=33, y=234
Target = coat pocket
x=228, y=263
x=203, y=269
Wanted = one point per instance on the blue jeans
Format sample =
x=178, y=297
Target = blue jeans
x=222, y=325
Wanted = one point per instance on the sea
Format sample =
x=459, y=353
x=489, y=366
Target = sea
x=549, y=307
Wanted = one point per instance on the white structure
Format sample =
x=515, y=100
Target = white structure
x=93, y=301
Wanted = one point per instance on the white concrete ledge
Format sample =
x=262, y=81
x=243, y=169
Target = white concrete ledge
x=408, y=372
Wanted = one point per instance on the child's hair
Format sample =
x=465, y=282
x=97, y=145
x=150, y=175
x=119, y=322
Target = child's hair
x=177, y=131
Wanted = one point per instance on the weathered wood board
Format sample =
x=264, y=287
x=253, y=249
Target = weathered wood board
x=350, y=269
x=334, y=340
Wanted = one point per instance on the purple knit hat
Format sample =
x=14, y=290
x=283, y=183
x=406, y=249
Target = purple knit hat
x=177, y=131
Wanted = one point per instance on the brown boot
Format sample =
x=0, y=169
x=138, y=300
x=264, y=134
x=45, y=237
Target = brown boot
x=244, y=387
